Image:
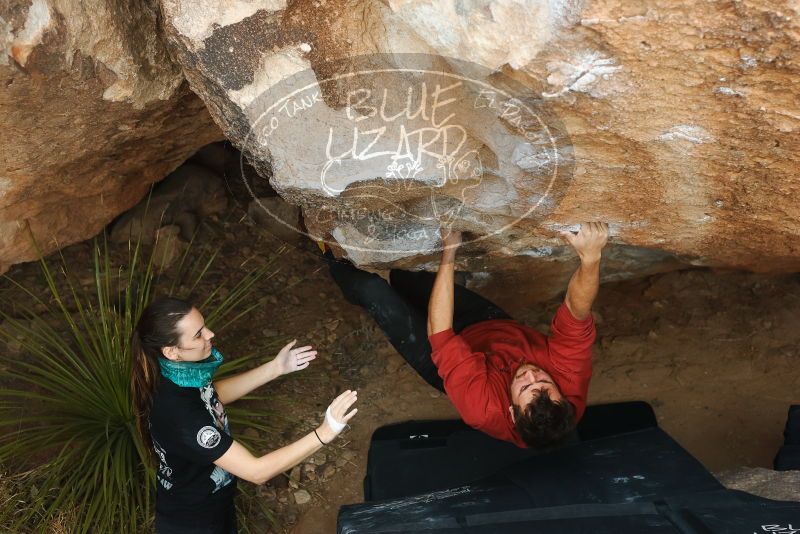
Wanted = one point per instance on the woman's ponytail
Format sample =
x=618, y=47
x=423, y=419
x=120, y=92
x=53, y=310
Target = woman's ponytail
x=143, y=385
x=157, y=328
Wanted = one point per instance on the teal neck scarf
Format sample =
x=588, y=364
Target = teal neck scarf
x=191, y=374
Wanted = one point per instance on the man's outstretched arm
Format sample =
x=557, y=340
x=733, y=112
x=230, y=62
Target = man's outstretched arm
x=583, y=286
x=440, y=305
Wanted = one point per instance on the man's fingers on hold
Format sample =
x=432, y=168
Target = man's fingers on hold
x=350, y=415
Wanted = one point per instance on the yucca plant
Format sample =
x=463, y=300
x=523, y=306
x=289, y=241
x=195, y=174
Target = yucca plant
x=67, y=418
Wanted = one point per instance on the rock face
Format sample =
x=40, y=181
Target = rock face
x=93, y=112
x=187, y=195
x=677, y=126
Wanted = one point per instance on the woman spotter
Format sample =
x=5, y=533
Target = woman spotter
x=181, y=418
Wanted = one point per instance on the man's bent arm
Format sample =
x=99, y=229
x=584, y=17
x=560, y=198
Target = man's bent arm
x=582, y=289
x=583, y=285
x=440, y=305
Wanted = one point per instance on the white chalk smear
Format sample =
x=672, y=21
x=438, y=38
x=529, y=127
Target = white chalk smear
x=530, y=158
x=613, y=227
x=749, y=62
x=620, y=20
x=687, y=132
x=579, y=73
x=538, y=252
x=727, y=91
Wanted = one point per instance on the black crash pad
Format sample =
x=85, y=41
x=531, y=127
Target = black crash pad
x=450, y=453
x=621, y=474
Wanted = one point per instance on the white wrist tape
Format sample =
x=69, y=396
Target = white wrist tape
x=335, y=425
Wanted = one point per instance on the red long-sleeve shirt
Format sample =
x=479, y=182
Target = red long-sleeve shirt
x=478, y=365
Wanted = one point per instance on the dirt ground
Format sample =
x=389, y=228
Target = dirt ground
x=715, y=353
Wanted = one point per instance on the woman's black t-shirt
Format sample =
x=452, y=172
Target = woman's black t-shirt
x=190, y=431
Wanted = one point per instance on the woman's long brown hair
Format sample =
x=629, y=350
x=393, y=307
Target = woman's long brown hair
x=157, y=328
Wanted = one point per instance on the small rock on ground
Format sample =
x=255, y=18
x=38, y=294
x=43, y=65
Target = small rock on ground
x=302, y=497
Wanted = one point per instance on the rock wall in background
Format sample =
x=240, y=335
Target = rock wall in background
x=677, y=125
x=681, y=125
x=93, y=112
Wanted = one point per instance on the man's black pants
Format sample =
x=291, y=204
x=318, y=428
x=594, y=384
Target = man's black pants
x=401, y=310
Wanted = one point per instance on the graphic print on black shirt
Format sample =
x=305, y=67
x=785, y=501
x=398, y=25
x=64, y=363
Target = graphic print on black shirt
x=190, y=431
x=164, y=474
x=220, y=477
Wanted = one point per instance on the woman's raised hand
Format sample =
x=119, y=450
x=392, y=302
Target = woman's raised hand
x=337, y=415
x=291, y=359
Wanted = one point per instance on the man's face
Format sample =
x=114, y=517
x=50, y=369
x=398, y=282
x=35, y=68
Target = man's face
x=529, y=382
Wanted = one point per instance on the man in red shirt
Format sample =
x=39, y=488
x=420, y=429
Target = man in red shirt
x=509, y=380
x=504, y=378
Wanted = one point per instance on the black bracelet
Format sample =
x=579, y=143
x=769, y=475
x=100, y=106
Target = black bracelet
x=319, y=438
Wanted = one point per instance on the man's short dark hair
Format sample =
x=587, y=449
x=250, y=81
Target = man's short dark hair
x=543, y=423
